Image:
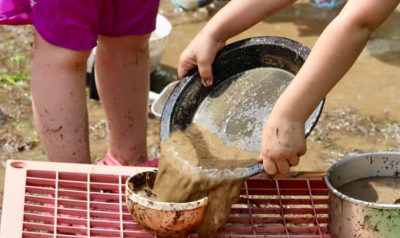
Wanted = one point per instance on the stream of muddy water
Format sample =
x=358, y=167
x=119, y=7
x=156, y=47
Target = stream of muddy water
x=361, y=113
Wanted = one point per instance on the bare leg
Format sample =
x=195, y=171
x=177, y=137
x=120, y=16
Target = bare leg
x=122, y=78
x=59, y=101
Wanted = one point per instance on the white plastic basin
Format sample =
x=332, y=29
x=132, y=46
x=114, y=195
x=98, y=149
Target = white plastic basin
x=157, y=44
x=158, y=41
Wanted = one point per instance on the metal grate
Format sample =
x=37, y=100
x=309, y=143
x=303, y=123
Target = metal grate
x=89, y=201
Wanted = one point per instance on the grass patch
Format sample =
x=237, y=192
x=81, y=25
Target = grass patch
x=14, y=79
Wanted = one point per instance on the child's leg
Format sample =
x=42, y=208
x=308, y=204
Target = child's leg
x=122, y=78
x=59, y=101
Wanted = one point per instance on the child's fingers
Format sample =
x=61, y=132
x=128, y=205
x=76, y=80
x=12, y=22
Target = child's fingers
x=205, y=71
x=187, y=61
x=294, y=160
x=283, y=166
x=273, y=167
x=303, y=151
x=184, y=67
x=181, y=72
x=270, y=167
x=259, y=158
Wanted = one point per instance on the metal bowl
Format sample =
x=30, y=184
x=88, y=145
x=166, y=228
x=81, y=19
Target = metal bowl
x=187, y=103
x=350, y=217
x=162, y=218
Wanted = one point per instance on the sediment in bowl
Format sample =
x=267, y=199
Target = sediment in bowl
x=349, y=217
x=162, y=218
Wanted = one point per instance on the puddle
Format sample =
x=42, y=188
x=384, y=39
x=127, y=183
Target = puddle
x=361, y=113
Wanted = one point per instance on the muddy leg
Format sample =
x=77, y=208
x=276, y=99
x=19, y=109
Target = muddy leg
x=59, y=101
x=122, y=77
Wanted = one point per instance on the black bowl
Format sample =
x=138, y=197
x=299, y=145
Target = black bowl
x=231, y=63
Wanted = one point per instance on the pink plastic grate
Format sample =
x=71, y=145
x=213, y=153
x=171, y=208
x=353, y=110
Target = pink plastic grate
x=67, y=200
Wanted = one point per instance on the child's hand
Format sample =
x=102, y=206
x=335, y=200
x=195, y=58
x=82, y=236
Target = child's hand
x=283, y=143
x=201, y=52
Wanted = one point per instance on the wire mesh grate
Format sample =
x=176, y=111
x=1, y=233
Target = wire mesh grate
x=65, y=204
x=57, y=200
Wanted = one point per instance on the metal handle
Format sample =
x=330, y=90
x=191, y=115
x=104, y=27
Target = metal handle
x=254, y=170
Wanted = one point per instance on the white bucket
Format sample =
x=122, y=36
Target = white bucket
x=157, y=106
x=157, y=44
x=158, y=41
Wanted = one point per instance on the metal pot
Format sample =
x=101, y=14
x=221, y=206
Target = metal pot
x=349, y=217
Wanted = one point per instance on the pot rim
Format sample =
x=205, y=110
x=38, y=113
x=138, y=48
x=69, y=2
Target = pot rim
x=163, y=206
x=168, y=206
x=342, y=196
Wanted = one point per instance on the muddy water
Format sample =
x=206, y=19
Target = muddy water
x=195, y=164
x=384, y=190
x=236, y=110
x=361, y=113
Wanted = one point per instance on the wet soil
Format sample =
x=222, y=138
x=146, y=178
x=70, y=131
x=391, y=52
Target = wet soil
x=361, y=113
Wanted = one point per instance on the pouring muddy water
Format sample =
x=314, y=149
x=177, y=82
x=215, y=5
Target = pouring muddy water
x=212, y=136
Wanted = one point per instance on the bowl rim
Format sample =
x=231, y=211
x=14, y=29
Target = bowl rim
x=163, y=206
x=163, y=28
x=342, y=196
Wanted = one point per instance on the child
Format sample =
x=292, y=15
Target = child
x=67, y=30
x=332, y=56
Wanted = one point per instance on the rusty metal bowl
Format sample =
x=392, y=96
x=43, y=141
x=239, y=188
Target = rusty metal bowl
x=350, y=217
x=162, y=218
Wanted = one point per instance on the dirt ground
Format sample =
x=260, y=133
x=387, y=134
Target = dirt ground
x=360, y=113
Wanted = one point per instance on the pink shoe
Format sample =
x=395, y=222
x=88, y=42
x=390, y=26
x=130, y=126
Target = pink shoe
x=110, y=160
x=152, y=163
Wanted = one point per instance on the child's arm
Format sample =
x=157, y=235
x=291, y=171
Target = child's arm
x=332, y=56
x=234, y=18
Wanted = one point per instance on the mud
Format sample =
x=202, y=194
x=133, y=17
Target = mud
x=195, y=164
x=384, y=190
x=143, y=185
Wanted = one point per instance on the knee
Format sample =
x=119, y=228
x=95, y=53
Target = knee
x=63, y=59
x=73, y=60
x=48, y=54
